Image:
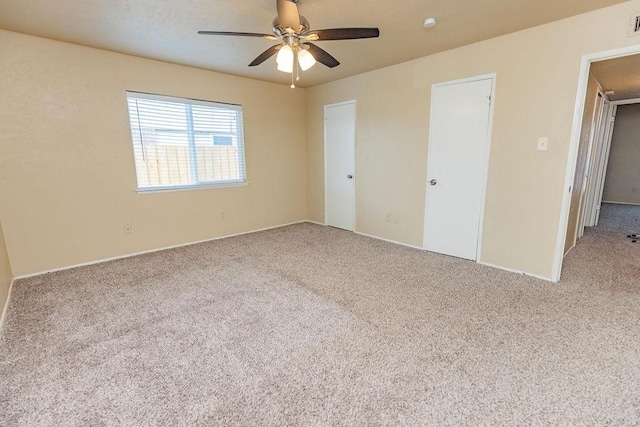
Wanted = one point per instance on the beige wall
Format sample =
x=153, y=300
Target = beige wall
x=622, y=183
x=583, y=148
x=537, y=74
x=67, y=175
x=5, y=273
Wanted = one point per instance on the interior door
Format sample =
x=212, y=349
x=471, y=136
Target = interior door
x=340, y=142
x=458, y=149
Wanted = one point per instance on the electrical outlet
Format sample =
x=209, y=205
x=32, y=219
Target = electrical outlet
x=396, y=219
x=388, y=218
x=127, y=229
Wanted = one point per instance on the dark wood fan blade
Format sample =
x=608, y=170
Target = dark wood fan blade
x=322, y=56
x=265, y=55
x=288, y=15
x=346, y=33
x=231, y=33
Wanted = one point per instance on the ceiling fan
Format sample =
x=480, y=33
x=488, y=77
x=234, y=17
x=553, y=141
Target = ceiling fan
x=295, y=49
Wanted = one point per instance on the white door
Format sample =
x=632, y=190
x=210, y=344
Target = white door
x=458, y=150
x=339, y=147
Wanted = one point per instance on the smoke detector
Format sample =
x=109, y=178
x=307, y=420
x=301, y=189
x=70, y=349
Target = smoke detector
x=430, y=22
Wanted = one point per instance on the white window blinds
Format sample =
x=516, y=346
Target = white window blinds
x=183, y=143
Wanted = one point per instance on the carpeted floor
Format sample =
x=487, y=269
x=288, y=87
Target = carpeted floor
x=308, y=325
x=619, y=218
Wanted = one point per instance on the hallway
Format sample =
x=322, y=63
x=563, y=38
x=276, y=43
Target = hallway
x=605, y=258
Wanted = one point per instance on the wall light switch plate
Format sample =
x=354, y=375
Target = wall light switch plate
x=543, y=144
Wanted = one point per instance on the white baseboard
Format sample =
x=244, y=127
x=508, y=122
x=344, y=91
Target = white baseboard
x=235, y=235
x=511, y=270
x=6, y=304
x=387, y=240
x=372, y=236
x=547, y=279
x=84, y=264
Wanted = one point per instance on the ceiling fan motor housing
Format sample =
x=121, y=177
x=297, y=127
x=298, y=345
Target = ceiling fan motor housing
x=279, y=31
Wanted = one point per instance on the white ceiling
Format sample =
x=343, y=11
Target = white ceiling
x=168, y=30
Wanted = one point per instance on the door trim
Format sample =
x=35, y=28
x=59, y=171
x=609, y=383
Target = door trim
x=324, y=153
x=595, y=191
x=596, y=124
x=572, y=158
x=487, y=151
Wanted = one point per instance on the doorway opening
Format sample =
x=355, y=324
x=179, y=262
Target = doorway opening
x=597, y=179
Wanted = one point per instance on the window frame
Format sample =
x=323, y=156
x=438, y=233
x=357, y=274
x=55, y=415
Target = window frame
x=198, y=185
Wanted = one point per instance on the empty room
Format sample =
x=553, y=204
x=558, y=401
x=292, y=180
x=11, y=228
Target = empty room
x=312, y=212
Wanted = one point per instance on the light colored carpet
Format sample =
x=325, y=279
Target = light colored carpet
x=619, y=218
x=308, y=325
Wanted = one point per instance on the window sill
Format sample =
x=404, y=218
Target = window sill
x=171, y=189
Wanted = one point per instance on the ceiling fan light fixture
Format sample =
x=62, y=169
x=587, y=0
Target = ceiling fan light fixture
x=305, y=59
x=285, y=67
x=285, y=59
x=295, y=52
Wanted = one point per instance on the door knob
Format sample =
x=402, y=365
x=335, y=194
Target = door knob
x=349, y=176
x=433, y=182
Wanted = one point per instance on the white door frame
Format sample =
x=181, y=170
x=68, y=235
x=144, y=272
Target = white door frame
x=355, y=173
x=485, y=167
x=594, y=133
x=572, y=159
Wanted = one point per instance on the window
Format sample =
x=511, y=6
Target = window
x=222, y=140
x=185, y=143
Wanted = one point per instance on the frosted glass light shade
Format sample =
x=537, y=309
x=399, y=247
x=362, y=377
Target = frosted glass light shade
x=305, y=59
x=285, y=68
x=285, y=59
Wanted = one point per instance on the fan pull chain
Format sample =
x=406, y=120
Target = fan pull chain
x=295, y=65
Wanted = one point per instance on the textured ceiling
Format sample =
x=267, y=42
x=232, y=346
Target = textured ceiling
x=168, y=30
x=621, y=75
